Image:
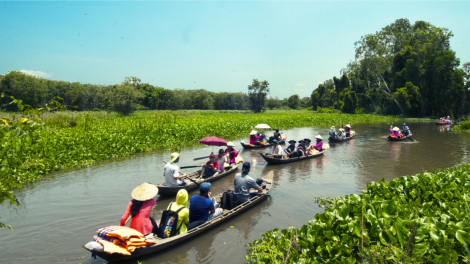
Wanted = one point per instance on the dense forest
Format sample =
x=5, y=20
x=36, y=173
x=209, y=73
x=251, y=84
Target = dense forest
x=403, y=69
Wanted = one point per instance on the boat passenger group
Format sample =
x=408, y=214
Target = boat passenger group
x=397, y=133
x=343, y=133
x=443, y=120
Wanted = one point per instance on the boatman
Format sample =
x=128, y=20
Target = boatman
x=243, y=183
x=333, y=134
x=292, y=151
x=348, y=129
x=406, y=130
x=171, y=172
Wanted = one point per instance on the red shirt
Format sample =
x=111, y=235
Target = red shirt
x=215, y=165
x=141, y=222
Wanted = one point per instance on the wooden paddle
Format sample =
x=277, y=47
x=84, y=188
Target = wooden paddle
x=205, y=157
x=187, y=167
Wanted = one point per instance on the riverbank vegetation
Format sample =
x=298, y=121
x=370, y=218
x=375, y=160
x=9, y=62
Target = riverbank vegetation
x=423, y=218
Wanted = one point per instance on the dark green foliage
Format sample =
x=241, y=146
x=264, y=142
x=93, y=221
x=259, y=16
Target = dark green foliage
x=349, y=102
x=409, y=98
x=257, y=92
x=413, y=219
x=294, y=101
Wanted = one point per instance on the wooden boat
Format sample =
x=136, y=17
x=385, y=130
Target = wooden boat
x=172, y=190
x=333, y=140
x=443, y=124
x=399, y=139
x=172, y=241
x=249, y=146
x=289, y=160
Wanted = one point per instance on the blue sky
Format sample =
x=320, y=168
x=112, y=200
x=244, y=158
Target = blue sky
x=215, y=45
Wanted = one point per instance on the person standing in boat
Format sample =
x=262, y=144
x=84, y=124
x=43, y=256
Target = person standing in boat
x=243, y=183
x=333, y=134
x=210, y=169
x=143, y=199
x=232, y=153
x=183, y=215
x=406, y=130
x=292, y=151
x=171, y=172
x=276, y=151
x=347, y=128
x=203, y=207
x=318, y=146
x=220, y=160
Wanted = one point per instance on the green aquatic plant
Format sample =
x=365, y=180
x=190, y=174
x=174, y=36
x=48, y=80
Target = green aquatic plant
x=423, y=218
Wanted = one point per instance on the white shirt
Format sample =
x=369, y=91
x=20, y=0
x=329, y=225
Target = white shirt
x=276, y=150
x=171, y=172
x=220, y=162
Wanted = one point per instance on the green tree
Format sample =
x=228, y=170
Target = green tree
x=349, y=102
x=409, y=98
x=294, y=101
x=123, y=99
x=257, y=93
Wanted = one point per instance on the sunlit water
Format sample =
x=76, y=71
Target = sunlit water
x=59, y=214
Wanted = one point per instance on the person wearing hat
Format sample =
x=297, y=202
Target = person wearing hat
x=276, y=136
x=341, y=133
x=448, y=120
x=348, y=129
x=183, y=215
x=308, y=146
x=232, y=153
x=210, y=169
x=406, y=130
x=276, y=151
x=319, y=145
x=292, y=151
x=243, y=183
x=220, y=159
x=301, y=147
x=203, y=206
x=171, y=172
x=254, y=138
x=333, y=134
x=143, y=199
x=395, y=131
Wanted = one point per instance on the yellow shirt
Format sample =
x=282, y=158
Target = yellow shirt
x=183, y=216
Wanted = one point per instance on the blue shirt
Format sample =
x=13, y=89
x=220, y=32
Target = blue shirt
x=199, y=208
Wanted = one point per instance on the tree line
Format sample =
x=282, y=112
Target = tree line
x=404, y=69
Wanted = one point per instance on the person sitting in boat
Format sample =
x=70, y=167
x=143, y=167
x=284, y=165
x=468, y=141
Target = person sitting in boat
x=220, y=160
x=254, y=138
x=341, y=134
x=203, y=207
x=243, y=183
x=276, y=151
x=333, y=134
x=276, y=136
x=347, y=128
x=171, y=172
x=301, y=147
x=307, y=145
x=406, y=130
x=318, y=146
x=143, y=199
x=448, y=120
x=292, y=151
x=232, y=153
x=183, y=215
x=395, y=131
x=210, y=169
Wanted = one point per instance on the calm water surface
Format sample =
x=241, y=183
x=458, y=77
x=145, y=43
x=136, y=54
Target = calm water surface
x=59, y=214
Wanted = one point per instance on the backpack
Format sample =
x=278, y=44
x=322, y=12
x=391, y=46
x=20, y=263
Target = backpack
x=168, y=223
x=229, y=200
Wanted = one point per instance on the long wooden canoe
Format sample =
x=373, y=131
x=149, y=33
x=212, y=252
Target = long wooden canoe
x=282, y=161
x=249, y=146
x=172, y=190
x=333, y=140
x=172, y=241
x=399, y=139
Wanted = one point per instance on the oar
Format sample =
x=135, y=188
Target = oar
x=205, y=157
x=410, y=138
x=187, y=167
x=182, y=174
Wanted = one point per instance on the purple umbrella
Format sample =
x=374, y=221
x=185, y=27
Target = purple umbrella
x=213, y=141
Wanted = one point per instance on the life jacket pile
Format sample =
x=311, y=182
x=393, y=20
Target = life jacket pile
x=121, y=239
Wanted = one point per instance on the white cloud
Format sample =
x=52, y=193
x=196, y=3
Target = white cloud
x=299, y=85
x=36, y=73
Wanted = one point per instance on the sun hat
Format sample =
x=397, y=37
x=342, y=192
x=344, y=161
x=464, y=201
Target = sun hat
x=319, y=137
x=292, y=141
x=253, y=132
x=230, y=144
x=301, y=140
x=396, y=129
x=144, y=192
x=404, y=124
x=307, y=139
x=275, y=141
x=348, y=125
x=174, y=156
x=341, y=129
x=212, y=155
x=332, y=128
x=246, y=166
x=205, y=187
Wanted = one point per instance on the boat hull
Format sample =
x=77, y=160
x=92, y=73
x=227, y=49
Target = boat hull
x=399, y=139
x=332, y=140
x=282, y=161
x=249, y=146
x=443, y=124
x=172, y=241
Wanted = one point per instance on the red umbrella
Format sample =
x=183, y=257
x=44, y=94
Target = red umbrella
x=213, y=141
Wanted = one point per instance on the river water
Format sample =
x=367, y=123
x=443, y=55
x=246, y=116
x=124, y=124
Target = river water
x=62, y=212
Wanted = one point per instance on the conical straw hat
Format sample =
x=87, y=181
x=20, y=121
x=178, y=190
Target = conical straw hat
x=144, y=192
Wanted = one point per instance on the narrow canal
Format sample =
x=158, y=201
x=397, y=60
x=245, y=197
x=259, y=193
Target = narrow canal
x=59, y=214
